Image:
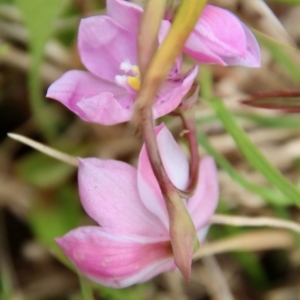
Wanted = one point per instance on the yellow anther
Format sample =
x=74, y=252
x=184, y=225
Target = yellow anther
x=136, y=70
x=134, y=82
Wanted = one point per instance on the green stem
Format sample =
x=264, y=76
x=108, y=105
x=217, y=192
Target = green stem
x=37, y=102
x=86, y=289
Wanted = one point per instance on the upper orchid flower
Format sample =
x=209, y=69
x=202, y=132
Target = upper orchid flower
x=133, y=243
x=219, y=37
x=108, y=49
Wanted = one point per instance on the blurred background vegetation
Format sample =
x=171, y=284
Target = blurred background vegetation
x=38, y=195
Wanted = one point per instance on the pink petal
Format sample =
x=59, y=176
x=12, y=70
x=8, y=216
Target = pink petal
x=252, y=57
x=172, y=92
x=204, y=202
x=109, y=194
x=190, y=101
x=163, y=30
x=201, y=233
x=198, y=50
x=221, y=31
x=221, y=38
x=92, y=99
x=114, y=260
x=104, y=44
x=104, y=109
x=176, y=165
x=174, y=160
x=125, y=13
x=149, y=189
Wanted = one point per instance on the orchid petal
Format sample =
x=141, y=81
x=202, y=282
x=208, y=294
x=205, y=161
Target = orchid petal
x=174, y=160
x=201, y=233
x=92, y=99
x=104, y=44
x=221, y=31
x=195, y=48
x=176, y=166
x=109, y=194
x=114, y=260
x=163, y=30
x=162, y=34
x=149, y=189
x=172, y=93
x=125, y=13
x=204, y=202
x=252, y=57
x=104, y=109
x=221, y=38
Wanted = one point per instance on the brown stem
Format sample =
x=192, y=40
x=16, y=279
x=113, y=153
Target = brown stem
x=273, y=100
x=281, y=93
x=146, y=121
x=153, y=152
x=190, y=127
x=182, y=229
x=155, y=159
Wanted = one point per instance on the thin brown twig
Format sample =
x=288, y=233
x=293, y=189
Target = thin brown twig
x=262, y=100
x=190, y=133
x=152, y=149
x=268, y=94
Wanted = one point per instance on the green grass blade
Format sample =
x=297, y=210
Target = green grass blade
x=39, y=17
x=286, y=56
x=252, y=153
x=287, y=121
x=267, y=194
x=286, y=1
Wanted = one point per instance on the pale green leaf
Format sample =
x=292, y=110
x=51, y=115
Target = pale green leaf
x=39, y=17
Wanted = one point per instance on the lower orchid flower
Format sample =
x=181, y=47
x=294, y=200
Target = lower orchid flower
x=132, y=243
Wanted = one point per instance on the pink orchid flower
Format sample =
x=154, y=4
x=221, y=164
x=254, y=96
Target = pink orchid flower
x=132, y=243
x=107, y=46
x=219, y=37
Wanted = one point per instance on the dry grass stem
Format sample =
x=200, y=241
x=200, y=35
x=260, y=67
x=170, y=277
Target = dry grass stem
x=218, y=284
x=71, y=160
x=254, y=222
x=256, y=240
x=174, y=283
